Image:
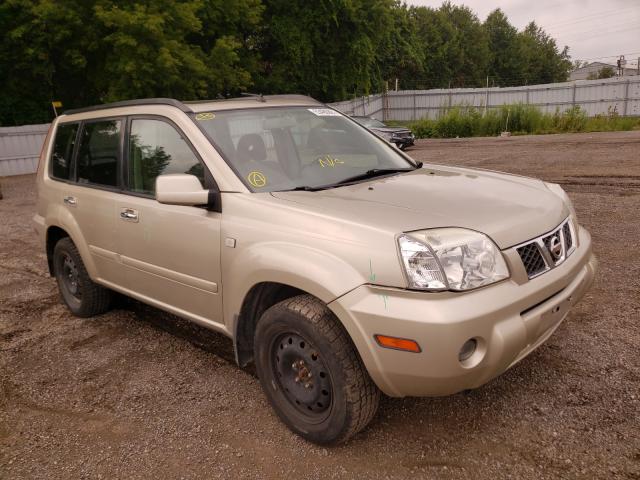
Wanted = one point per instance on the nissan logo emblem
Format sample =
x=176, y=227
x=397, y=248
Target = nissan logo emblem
x=555, y=247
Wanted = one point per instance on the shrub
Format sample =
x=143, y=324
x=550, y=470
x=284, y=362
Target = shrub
x=464, y=121
x=572, y=120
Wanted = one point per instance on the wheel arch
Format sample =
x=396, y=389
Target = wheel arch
x=258, y=299
x=53, y=236
x=67, y=227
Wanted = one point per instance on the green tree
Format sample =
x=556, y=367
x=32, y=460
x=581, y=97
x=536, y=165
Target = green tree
x=543, y=61
x=505, y=62
x=325, y=48
x=400, y=54
x=45, y=55
x=469, y=50
x=454, y=45
x=604, y=72
x=94, y=51
x=433, y=31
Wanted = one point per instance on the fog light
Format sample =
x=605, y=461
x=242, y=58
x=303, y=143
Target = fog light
x=468, y=349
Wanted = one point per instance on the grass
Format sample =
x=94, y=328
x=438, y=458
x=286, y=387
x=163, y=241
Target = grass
x=519, y=119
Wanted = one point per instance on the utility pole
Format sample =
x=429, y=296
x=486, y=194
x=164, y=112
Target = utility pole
x=396, y=84
x=622, y=62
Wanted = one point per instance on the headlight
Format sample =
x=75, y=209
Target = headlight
x=451, y=259
x=557, y=189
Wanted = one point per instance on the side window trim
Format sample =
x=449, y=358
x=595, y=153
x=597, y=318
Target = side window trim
x=83, y=123
x=209, y=181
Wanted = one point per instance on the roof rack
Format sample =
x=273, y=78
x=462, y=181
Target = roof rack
x=131, y=103
x=255, y=97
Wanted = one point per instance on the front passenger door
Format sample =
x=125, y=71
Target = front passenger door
x=171, y=253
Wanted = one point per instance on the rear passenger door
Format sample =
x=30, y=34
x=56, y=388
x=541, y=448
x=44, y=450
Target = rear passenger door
x=171, y=253
x=88, y=183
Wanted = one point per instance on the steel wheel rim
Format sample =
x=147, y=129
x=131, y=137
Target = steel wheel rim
x=302, y=376
x=70, y=276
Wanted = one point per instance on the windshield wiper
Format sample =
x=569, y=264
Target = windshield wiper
x=374, y=172
x=304, y=188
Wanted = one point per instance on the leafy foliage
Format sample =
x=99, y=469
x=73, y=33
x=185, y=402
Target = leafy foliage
x=604, y=72
x=85, y=52
x=518, y=119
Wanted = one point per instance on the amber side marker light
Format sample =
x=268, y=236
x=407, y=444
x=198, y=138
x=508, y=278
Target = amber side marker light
x=396, y=343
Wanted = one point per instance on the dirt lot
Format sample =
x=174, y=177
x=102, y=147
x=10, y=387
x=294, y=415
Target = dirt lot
x=137, y=393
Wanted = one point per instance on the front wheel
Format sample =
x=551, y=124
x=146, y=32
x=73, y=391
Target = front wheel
x=311, y=373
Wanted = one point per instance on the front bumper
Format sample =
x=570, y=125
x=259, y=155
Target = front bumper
x=509, y=320
x=404, y=141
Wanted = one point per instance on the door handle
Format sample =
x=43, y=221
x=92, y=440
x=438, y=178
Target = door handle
x=71, y=201
x=129, y=214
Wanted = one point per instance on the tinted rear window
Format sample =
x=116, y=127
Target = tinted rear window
x=63, y=150
x=99, y=153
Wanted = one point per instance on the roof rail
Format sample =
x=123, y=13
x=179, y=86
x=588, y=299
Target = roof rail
x=255, y=97
x=131, y=103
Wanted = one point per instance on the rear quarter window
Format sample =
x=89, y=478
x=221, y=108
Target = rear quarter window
x=63, y=151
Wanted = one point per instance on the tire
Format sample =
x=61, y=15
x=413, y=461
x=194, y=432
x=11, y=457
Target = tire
x=83, y=297
x=327, y=398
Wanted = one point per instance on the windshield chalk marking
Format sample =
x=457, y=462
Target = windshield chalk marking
x=257, y=179
x=329, y=161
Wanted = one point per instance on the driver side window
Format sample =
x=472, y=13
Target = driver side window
x=157, y=148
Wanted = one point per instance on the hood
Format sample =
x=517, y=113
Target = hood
x=508, y=208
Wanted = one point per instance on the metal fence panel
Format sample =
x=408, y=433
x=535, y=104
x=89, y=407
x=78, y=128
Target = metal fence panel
x=20, y=148
x=595, y=97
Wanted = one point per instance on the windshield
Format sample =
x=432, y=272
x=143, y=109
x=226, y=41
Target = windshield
x=369, y=122
x=283, y=148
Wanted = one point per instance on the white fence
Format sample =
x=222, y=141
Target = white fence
x=621, y=95
x=20, y=148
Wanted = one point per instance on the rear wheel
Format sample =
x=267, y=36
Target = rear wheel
x=83, y=297
x=311, y=372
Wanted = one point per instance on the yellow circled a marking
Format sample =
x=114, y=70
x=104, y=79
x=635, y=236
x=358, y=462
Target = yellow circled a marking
x=257, y=179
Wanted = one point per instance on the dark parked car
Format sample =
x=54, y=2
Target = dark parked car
x=402, y=137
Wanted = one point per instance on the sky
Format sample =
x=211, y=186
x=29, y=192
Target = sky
x=594, y=30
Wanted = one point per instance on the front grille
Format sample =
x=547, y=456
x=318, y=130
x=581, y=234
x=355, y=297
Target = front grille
x=568, y=238
x=532, y=259
x=538, y=255
x=402, y=134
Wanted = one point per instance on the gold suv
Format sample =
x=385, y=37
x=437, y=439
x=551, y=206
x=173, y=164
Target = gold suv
x=338, y=265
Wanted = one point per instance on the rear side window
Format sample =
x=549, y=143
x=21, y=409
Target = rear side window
x=99, y=153
x=157, y=148
x=63, y=150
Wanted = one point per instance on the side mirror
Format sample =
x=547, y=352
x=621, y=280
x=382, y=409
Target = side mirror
x=183, y=189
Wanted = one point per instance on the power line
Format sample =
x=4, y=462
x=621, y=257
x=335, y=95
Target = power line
x=600, y=33
x=592, y=16
x=577, y=29
x=610, y=56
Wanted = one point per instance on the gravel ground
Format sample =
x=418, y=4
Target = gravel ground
x=137, y=393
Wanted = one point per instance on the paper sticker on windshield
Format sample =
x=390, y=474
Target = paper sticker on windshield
x=324, y=112
x=205, y=116
x=257, y=179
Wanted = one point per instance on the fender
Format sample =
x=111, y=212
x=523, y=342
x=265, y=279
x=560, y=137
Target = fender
x=311, y=270
x=65, y=221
